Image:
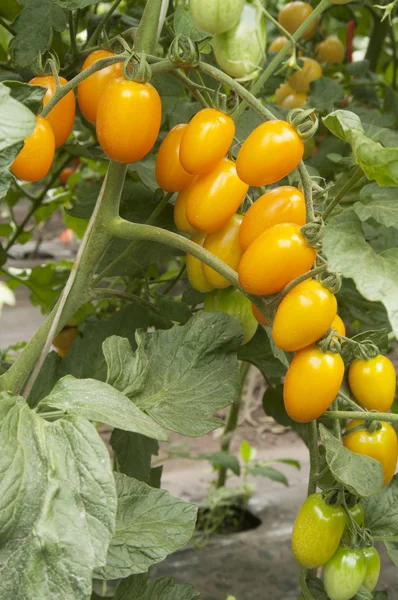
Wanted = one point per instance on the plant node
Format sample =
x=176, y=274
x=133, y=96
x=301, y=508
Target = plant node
x=183, y=52
x=305, y=122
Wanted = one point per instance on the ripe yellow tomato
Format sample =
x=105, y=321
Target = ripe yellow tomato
x=304, y=315
x=270, y=153
x=180, y=212
x=274, y=259
x=282, y=92
x=302, y=79
x=373, y=382
x=128, y=119
x=338, y=325
x=35, y=159
x=259, y=315
x=224, y=244
x=312, y=382
x=278, y=43
x=293, y=14
x=206, y=141
x=213, y=198
x=330, y=51
x=89, y=90
x=194, y=268
x=62, y=116
x=382, y=445
x=64, y=340
x=170, y=174
x=285, y=204
x=295, y=100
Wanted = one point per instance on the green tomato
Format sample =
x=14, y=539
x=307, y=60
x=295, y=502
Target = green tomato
x=344, y=574
x=317, y=532
x=234, y=303
x=357, y=514
x=216, y=16
x=372, y=558
x=241, y=51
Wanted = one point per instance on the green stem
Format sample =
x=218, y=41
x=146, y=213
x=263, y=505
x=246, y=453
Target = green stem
x=314, y=456
x=110, y=294
x=336, y=423
x=354, y=179
x=274, y=64
x=193, y=88
x=72, y=34
x=147, y=31
x=7, y=26
x=174, y=281
x=303, y=585
x=232, y=422
x=363, y=416
x=306, y=182
x=348, y=403
x=105, y=18
x=279, y=297
x=376, y=41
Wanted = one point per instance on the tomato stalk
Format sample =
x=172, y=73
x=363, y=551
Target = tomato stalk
x=105, y=18
x=364, y=416
x=352, y=182
x=312, y=429
x=303, y=585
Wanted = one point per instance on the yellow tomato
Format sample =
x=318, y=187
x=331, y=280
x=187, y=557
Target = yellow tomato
x=277, y=44
x=195, y=273
x=293, y=15
x=170, y=174
x=373, y=382
x=295, y=100
x=330, y=51
x=301, y=80
x=224, y=244
x=180, y=212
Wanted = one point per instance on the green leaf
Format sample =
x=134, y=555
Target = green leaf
x=363, y=594
x=174, y=309
x=325, y=93
x=145, y=170
x=378, y=163
x=127, y=371
x=375, y=275
x=72, y=4
x=100, y=402
x=185, y=25
x=381, y=512
x=134, y=453
x=139, y=587
x=379, y=204
x=226, y=460
x=316, y=589
x=61, y=471
x=29, y=95
x=150, y=524
x=34, y=26
x=192, y=372
x=380, y=596
x=361, y=475
x=264, y=471
x=274, y=407
x=259, y=353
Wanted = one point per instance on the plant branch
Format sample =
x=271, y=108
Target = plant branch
x=72, y=34
x=105, y=18
x=146, y=35
x=314, y=456
x=306, y=182
x=7, y=26
x=364, y=416
x=354, y=179
x=279, y=297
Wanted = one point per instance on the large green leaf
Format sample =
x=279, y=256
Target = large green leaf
x=375, y=275
x=34, y=26
x=378, y=163
x=260, y=353
x=139, y=587
x=381, y=512
x=379, y=203
x=192, y=371
x=361, y=475
x=29, y=95
x=98, y=401
x=57, y=504
x=150, y=524
x=325, y=93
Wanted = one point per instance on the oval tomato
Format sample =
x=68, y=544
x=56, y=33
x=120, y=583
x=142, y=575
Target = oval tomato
x=282, y=92
x=170, y=174
x=216, y=16
x=285, y=204
x=295, y=100
x=89, y=91
x=372, y=559
x=241, y=50
x=35, y=159
x=215, y=197
x=317, y=532
x=274, y=259
x=304, y=315
x=312, y=382
x=373, y=382
x=233, y=302
x=277, y=44
x=180, y=212
x=128, y=119
x=259, y=315
x=293, y=15
x=331, y=50
x=344, y=573
x=310, y=71
x=224, y=244
x=194, y=268
x=206, y=140
x=358, y=515
x=62, y=116
x=338, y=325
x=68, y=171
x=382, y=445
x=270, y=153
x=64, y=340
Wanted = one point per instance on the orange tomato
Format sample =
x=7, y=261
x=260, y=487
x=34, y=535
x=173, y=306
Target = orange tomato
x=128, y=119
x=295, y=100
x=331, y=50
x=180, y=212
x=278, y=43
x=285, y=204
x=301, y=80
x=282, y=92
x=338, y=325
x=373, y=382
x=274, y=259
x=293, y=15
x=215, y=197
x=312, y=382
x=224, y=244
x=170, y=174
x=62, y=116
x=35, y=159
x=206, y=141
x=194, y=268
x=64, y=340
x=270, y=153
x=89, y=91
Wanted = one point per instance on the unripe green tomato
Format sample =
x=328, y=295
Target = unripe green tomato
x=234, y=303
x=216, y=16
x=344, y=574
x=241, y=51
x=358, y=515
x=372, y=558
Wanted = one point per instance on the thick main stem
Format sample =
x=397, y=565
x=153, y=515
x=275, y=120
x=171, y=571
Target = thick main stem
x=314, y=456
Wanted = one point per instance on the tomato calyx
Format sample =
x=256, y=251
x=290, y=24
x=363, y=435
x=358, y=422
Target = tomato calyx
x=137, y=68
x=304, y=121
x=184, y=52
x=226, y=104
